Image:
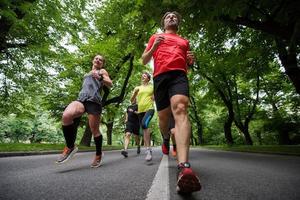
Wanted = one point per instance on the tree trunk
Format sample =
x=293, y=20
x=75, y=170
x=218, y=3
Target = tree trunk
x=87, y=136
x=248, y=139
x=227, y=130
x=198, y=121
x=199, y=139
x=283, y=134
x=288, y=59
x=245, y=131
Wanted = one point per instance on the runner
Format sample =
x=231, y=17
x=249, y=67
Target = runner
x=171, y=56
x=89, y=101
x=132, y=127
x=144, y=96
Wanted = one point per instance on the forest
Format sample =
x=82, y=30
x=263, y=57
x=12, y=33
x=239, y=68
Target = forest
x=244, y=85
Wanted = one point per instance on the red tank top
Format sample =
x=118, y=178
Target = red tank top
x=170, y=53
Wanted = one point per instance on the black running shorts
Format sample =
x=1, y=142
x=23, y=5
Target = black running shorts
x=167, y=85
x=132, y=128
x=92, y=107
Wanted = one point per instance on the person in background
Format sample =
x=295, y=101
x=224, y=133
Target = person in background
x=132, y=127
x=144, y=96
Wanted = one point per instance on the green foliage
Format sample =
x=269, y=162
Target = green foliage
x=47, y=46
x=39, y=129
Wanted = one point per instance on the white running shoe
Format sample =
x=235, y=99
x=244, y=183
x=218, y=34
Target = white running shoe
x=148, y=155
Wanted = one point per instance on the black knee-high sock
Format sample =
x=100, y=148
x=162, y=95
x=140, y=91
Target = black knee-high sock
x=98, y=143
x=167, y=141
x=70, y=134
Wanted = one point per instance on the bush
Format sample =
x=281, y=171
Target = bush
x=39, y=129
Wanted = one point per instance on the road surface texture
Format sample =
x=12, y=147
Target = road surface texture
x=224, y=176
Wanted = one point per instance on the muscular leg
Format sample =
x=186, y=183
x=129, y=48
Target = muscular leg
x=145, y=124
x=137, y=140
x=164, y=116
x=179, y=106
x=147, y=137
x=126, y=140
x=94, y=122
x=73, y=110
x=173, y=136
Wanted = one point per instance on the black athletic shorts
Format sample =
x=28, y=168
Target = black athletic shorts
x=167, y=85
x=92, y=107
x=132, y=128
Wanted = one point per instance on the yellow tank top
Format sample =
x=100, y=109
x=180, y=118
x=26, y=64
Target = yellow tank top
x=144, y=98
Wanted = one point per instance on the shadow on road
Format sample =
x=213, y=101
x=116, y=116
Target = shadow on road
x=75, y=169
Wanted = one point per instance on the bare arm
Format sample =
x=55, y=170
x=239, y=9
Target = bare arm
x=146, y=57
x=135, y=93
x=106, y=79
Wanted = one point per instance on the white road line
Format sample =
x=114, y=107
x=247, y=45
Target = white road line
x=160, y=184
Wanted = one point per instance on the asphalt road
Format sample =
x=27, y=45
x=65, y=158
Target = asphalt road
x=224, y=175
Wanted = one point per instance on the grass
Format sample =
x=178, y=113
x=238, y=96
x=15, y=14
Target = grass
x=21, y=147
x=271, y=149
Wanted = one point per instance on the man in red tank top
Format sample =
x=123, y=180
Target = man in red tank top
x=172, y=55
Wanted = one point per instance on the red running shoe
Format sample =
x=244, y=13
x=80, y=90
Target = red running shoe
x=165, y=147
x=187, y=181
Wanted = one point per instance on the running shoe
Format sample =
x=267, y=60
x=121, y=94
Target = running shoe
x=66, y=155
x=97, y=161
x=148, y=155
x=174, y=152
x=124, y=153
x=187, y=180
x=165, y=147
x=138, y=151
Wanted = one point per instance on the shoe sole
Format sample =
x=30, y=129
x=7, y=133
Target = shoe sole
x=69, y=157
x=188, y=183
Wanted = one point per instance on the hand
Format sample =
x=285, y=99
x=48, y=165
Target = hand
x=158, y=40
x=190, y=57
x=96, y=74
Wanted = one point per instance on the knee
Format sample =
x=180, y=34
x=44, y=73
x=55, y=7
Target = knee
x=127, y=135
x=180, y=109
x=66, y=118
x=94, y=130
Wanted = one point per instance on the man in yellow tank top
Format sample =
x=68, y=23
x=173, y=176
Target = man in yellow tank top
x=144, y=97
